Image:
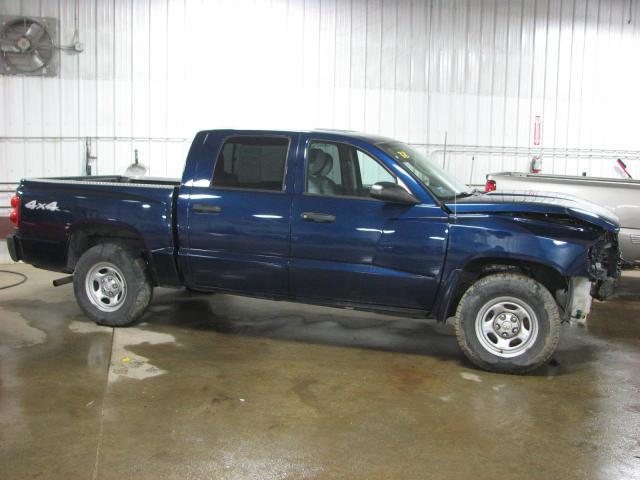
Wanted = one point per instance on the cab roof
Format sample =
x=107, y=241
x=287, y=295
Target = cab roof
x=326, y=133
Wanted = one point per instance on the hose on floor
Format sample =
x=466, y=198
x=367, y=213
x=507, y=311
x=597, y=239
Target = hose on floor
x=19, y=282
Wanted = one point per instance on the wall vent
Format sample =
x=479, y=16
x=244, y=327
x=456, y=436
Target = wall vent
x=29, y=46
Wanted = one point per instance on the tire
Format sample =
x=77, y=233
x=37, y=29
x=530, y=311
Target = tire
x=112, y=285
x=508, y=323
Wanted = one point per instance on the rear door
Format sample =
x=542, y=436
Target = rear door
x=239, y=224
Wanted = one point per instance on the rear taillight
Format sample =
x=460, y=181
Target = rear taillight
x=490, y=186
x=14, y=216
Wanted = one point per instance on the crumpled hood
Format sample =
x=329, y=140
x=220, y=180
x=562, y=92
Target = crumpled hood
x=536, y=202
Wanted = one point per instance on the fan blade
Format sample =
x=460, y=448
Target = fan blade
x=9, y=50
x=34, y=33
x=8, y=47
x=36, y=61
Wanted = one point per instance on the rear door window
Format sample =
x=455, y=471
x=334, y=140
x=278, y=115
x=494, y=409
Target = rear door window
x=252, y=163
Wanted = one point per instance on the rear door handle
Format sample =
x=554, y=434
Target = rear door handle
x=204, y=208
x=318, y=217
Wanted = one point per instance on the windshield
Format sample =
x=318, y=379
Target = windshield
x=441, y=183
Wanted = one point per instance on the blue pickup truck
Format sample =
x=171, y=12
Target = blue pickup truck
x=333, y=218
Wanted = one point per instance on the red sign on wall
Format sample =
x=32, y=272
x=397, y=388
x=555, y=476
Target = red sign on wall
x=537, y=130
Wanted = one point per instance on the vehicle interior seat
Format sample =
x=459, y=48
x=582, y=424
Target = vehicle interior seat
x=320, y=164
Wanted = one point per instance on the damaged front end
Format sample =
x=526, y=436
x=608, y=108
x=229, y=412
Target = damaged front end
x=603, y=268
x=604, y=265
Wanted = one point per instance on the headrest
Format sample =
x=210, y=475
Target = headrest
x=316, y=161
x=328, y=164
x=320, y=163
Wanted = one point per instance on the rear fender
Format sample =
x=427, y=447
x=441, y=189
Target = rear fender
x=84, y=235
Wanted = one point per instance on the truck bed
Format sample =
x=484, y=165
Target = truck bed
x=56, y=209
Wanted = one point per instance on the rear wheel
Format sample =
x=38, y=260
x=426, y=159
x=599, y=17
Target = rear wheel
x=508, y=323
x=112, y=285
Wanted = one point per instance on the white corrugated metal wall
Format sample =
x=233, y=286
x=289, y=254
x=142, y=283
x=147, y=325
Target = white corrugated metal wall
x=155, y=71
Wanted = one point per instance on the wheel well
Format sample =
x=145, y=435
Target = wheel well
x=476, y=269
x=87, y=236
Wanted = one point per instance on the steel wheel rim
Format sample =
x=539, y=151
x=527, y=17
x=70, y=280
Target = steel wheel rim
x=506, y=327
x=106, y=287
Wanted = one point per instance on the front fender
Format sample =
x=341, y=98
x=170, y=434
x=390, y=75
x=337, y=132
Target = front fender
x=507, y=240
x=564, y=248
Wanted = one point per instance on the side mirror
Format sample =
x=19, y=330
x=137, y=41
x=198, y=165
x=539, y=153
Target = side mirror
x=392, y=193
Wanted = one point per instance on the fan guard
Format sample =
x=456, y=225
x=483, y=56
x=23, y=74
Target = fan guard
x=28, y=46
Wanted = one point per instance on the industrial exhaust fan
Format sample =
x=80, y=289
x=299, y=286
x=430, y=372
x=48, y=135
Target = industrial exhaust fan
x=28, y=46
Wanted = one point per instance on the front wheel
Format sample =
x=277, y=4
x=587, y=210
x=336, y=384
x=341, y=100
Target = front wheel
x=112, y=285
x=508, y=323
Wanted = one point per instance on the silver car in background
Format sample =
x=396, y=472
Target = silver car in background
x=621, y=196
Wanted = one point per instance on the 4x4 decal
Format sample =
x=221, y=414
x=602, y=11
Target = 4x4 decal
x=33, y=205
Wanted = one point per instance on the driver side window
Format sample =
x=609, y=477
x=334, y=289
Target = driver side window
x=371, y=171
x=337, y=169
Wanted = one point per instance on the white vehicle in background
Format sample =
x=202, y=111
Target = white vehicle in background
x=621, y=196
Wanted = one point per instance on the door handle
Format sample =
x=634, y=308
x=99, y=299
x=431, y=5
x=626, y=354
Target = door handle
x=318, y=217
x=204, y=208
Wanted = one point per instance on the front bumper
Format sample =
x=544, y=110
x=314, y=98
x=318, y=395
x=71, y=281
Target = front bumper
x=15, y=248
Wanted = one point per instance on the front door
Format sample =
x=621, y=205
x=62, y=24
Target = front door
x=349, y=247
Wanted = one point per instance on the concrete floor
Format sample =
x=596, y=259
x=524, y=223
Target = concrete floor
x=228, y=387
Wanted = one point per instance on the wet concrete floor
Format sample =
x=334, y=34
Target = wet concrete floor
x=227, y=387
